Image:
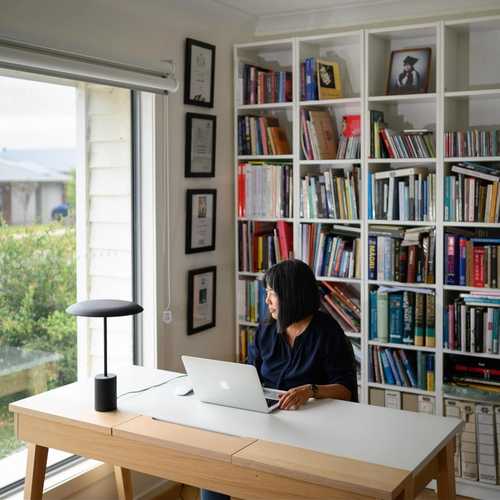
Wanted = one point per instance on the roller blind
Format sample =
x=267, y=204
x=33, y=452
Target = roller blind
x=46, y=61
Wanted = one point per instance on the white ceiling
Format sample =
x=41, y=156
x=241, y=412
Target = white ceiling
x=260, y=8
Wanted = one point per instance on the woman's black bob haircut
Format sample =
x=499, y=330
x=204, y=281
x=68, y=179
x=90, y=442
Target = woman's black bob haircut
x=297, y=291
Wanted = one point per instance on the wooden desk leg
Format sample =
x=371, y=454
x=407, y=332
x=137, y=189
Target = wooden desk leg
x=35, y=471
x=446, y=474
x=123, y=480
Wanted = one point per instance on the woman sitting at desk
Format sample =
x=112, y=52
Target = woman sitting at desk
x=299, y=349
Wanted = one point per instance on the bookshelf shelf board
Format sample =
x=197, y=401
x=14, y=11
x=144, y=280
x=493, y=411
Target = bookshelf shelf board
x=265, y=157
x=489, y=225
x=476, y=159
x=264, y=219
x=271, y=105
x=330, y=221
x=250, y=274
x=401, y=389
x=353, y=335
x=402, y=346
x=458, y=288
x=398, y=284
x=479, y=484
x=466, y=94
x=331, y=162
x=332, y=102
x=476, y=400
x=401, y=160
x=400, y=222
x=338, y=280
x=429, y=97
x=476, y=354
x=247, y=323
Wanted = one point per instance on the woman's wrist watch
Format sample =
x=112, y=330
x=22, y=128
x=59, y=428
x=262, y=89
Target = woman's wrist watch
x=314, y=390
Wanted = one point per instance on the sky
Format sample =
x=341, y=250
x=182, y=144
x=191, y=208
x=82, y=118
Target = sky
x=36, y=115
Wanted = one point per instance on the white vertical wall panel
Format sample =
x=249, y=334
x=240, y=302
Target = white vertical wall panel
x=109, y=154
x=110, y=181
x=110, y=209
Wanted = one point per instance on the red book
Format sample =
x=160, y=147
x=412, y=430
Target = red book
x=241, y=190
x=385, y=138
x=412, y=264
x=285, y=238
x=478, y=255
x=351, y=125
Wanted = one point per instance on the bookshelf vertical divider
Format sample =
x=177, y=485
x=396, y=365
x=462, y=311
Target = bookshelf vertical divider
x=434, y=108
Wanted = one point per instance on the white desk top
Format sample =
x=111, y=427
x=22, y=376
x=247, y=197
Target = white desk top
x=368, y=433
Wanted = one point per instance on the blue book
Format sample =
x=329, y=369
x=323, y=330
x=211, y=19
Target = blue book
x=396, y=317
x=486, y=241
x=462, y=261
x=421, y=370
x=373, y=315
x=372, y=257
x=392, y=365
x=408, y=368
x=446, y=342
x=326, y=254
x=408, y=318
x=399, y=367
x=447, y=198
x=389, y=379
x=496, y=328
x=263, y=311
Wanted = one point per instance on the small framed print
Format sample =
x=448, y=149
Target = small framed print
x=202, y=291
x=329, y=83
x=200, y=145
x=201, y=209
x=409, y=71
x=199, y=73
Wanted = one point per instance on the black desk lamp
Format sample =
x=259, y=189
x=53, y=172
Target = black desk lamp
x=105, y=383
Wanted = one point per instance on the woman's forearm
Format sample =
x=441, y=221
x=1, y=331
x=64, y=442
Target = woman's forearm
x=333, y=391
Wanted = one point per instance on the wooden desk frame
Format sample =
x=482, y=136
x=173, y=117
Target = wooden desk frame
x=185, y=455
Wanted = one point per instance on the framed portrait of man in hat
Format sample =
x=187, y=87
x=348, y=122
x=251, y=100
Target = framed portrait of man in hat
x=409, y=71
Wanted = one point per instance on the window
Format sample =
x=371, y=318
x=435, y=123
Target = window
x=65, y=235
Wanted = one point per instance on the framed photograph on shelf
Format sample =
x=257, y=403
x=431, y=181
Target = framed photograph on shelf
x=199, y=73
x=202, y=293
x=200, y=145
x=329, y=83
x=201, y=209
x=409, y=71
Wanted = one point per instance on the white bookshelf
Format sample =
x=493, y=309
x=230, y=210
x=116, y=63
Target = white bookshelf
x=464, y=91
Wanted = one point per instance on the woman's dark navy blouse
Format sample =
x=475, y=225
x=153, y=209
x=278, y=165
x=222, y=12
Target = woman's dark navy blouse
x=320, y=355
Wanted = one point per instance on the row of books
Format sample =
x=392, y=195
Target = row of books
x=402, y=400
x=471, y=142
x=263, y=244
x=403, y=316
x=247, y=337
x=251, y=300
x=258, y=85
x=402, y=194
x=261, y=135
x=477, y=450
x=265, y=190
x=332, y=250
x=334, y=194
x=406, y=256
x=472, y=261
x=402, y=368
x=473, y=195
x=472, y=323
x=341, y=301
x=318, y=138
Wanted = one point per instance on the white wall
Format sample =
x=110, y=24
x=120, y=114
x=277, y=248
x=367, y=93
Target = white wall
x=143, y=33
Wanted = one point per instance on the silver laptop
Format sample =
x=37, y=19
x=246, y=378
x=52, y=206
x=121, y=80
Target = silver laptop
x=230, y=384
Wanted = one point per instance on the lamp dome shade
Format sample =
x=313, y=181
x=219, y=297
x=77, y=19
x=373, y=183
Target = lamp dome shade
x=104, y=308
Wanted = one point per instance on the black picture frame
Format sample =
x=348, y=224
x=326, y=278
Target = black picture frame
x=197, y=144
x=416, y=81
x=198, y=79
x=201, y=300
x=201, y=211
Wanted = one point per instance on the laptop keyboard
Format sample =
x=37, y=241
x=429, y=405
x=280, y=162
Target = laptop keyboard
x=271, y=402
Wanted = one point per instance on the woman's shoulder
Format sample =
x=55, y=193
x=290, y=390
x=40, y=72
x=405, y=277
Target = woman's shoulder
x=327, y=323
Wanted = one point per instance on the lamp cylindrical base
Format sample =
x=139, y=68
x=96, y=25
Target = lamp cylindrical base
x=105, y=392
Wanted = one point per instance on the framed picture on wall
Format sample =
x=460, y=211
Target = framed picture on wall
x=199, y=73
x=202, y=291
x=201, y=209
x=200, y=145
x=409, y=71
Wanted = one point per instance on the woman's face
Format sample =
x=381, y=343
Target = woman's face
x=272, y=302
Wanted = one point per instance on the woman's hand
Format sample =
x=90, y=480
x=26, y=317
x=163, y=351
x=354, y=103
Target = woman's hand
x=294, y=398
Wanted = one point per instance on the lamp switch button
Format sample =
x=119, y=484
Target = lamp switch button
x=167, y=316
